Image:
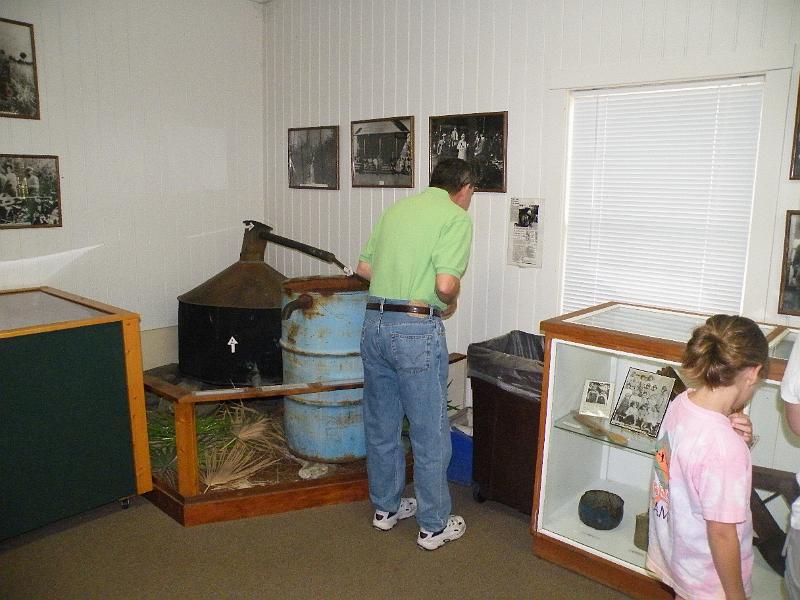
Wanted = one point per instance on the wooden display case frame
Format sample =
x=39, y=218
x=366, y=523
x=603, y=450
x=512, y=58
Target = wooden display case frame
x=563, y=328
x=190, y=507
x=133, y=366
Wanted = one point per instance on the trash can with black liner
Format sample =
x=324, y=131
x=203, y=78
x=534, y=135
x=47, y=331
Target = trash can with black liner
x=506, y=379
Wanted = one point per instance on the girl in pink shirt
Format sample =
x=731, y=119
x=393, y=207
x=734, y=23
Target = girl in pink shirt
x=701, y=529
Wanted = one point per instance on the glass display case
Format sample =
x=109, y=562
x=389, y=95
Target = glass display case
x=605, y=343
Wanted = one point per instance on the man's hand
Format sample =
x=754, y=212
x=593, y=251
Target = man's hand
x=450, y=309
x=742, y=425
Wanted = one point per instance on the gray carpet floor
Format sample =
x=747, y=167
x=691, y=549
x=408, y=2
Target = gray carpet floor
x=330, y=552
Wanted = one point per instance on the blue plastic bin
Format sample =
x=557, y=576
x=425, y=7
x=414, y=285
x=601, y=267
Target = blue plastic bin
x=460, y=468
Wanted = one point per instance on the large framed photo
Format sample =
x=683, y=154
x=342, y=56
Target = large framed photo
x=382, y=152
x=19, y=88
x=30, y=194
x=642, y=402
x=789, y=299
x=314, y=158
x=794, y=168
x=479, y=138
x=596, y=399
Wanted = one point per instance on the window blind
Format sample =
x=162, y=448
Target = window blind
x=660, y=194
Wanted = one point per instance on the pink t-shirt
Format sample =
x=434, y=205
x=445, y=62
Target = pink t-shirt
x=702, y=472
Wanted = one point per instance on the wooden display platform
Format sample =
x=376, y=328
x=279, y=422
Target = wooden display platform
x=262, y=500
x=189, y=506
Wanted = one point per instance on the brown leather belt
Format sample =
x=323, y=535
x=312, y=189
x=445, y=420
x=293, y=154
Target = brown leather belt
x=405, y=308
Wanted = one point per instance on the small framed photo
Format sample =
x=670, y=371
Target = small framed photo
x=596, y=399
x=794, y=168
x=789, y=298
x=30, y=191
x=642, y=402
x=314, y=158
x=382, y=152
x=19, y=87
x=479, y=138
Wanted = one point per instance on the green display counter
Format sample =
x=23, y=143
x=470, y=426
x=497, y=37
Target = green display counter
x=73, y=433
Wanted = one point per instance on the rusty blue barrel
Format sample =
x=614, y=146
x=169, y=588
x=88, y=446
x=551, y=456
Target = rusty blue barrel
x=320, y=340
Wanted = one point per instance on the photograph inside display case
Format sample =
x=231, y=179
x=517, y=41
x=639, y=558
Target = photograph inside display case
x=596, y=399
x=642, y=402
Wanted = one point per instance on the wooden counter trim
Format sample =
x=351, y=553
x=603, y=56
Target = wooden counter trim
x=615, y=340
x=642, y=345
x=600, y=570
x=227, y=505
x=542, y=433
x=287, y=389
x=35, y=329
x=136, y=404
x=112, y=315
x=186, y=449
x=258, y=501
x=115, y=310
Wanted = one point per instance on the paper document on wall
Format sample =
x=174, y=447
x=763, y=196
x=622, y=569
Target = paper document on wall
x=524, y=233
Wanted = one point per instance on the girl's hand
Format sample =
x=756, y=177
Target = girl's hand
x=742, y=425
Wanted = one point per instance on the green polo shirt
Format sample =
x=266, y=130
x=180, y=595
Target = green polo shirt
x=415, y=239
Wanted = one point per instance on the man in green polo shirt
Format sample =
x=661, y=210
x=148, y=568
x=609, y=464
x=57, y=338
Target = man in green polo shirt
x=414, y=259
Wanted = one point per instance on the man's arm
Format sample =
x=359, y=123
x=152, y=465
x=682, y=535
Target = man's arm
x=792, y=416
x=364, y=269
x=724, y=544
x=447, y=289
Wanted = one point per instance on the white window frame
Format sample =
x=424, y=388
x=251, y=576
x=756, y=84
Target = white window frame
x=670, y=198
x=771, y=193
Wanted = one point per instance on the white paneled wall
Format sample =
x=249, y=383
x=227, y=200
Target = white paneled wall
x=329, y=63
x=155, y=110
x=170, y=120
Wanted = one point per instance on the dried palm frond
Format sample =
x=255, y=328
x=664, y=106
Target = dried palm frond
x=249, y=427
x=232, y=466
x=256, y=430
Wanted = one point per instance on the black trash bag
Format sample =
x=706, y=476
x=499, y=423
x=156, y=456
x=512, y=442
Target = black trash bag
x=512, y=362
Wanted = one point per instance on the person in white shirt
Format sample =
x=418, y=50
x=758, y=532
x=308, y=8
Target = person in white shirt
x=790, y=392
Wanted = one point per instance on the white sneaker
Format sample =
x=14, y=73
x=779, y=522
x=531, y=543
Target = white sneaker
x=431, y=541
x=385, y=521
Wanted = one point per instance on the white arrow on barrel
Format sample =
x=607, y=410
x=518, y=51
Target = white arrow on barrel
x=232, y=343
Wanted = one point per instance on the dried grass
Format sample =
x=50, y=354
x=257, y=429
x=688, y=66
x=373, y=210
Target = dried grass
x=232, y=466
x=234, y=444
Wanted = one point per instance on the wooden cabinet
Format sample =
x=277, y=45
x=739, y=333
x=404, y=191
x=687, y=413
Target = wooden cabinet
x=74, y=433
x=602, y=343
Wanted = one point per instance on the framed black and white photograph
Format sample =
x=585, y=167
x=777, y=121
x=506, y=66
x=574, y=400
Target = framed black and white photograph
x=789, y=299
x=596, y=399
x=479, y=138
x=19, y=88
x=30, y=194
x=382, y=152
x=794, y=168
x=314, y=158
x=642, y=402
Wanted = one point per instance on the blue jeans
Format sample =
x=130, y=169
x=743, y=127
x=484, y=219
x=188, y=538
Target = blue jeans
x=405, y=373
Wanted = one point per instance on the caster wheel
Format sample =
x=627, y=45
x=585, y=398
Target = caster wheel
x=125, y=503
x=476, y=494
